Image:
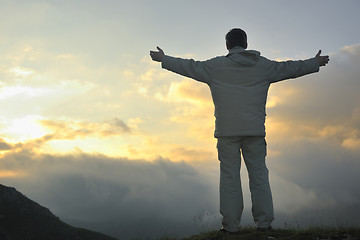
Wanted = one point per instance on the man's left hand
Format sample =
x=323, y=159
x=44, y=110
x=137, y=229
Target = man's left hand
x=323, y=60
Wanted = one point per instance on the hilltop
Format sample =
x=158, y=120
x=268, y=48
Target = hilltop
x=315, y=233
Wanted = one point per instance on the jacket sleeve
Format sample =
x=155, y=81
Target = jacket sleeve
x=279, y=71
x=198, y=70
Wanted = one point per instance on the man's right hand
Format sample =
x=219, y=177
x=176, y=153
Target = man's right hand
x=157, y=55
x=323, y=60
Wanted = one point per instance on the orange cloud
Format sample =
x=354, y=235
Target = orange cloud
x=73, y=130
x=188, y=91
x=149, y=75
x=11, y=174
x=352, y=144
x=153, y=147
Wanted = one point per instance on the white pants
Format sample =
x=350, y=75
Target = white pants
x=253, y=149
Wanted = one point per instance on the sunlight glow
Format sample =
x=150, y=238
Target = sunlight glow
x=112, y=147
x=26, y=128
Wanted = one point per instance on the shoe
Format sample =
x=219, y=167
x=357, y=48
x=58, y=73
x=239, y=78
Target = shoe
x=228, y=232
x=264, y=229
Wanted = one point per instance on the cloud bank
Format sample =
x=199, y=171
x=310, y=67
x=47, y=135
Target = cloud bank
x=122, y=197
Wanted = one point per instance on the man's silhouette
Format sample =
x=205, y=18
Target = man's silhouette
x=239, y=84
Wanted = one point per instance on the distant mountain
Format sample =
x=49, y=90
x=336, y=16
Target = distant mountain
x=24, y=219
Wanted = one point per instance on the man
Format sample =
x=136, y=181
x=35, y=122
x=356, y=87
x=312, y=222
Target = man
x=239, y=84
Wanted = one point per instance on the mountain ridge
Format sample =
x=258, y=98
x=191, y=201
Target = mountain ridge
x=23, y=219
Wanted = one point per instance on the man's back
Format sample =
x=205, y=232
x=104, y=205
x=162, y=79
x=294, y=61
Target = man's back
x=239, y=83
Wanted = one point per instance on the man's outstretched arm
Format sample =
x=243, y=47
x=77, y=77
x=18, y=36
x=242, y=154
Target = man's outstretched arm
x=292, y=69
x=197, y=70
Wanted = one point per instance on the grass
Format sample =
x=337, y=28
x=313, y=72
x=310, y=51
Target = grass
x=314, y=233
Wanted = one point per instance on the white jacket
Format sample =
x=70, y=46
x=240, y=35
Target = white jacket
x=239, y=84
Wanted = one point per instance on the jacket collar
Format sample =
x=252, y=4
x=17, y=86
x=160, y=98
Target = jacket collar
x=236, y=49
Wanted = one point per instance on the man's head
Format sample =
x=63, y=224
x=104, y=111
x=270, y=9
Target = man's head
x=236, y=37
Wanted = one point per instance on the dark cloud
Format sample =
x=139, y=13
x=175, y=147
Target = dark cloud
x=127, y=198
x=116, y=126
x=323, y=169
x=4, y=145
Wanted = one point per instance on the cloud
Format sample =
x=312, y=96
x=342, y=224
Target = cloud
x=4, y=145
x=324, y=171
x=301, y=197
x=351, y=143
x=188, y=91
x=119, y=193
x=153, y=147
x=313, y=135
x=37, y=93
x=325, y=103
x=149, y=75
x=37, y=134
x=193, y=105
x=21, y=72
x=116, y=195
x=192, y=154
x=72, y=129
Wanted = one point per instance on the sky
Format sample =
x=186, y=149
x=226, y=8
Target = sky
x=95, y=131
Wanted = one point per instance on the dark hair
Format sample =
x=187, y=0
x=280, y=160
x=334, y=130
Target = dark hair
x=236, y=37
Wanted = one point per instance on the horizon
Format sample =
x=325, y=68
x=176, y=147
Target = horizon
x=87, y=115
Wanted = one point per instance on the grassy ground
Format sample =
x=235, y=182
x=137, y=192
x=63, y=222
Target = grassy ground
x=283, y=234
